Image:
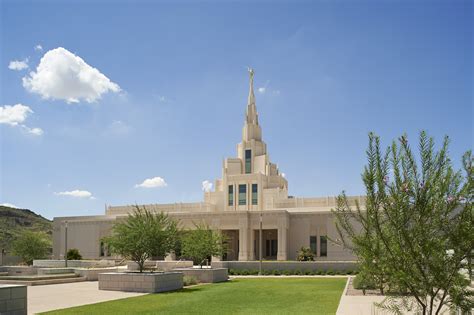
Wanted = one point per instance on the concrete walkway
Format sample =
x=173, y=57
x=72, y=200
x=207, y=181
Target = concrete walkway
x=44, y=298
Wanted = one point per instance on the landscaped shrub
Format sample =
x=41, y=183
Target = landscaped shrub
x=189, y=280
x=363, y=282
x=73, y=254
x=276, y=272
x=308, y=272
x=287, y=272
x=305, y=254
x=267, y=272
x=232, y=272
x=298, y=272
x=330, y=272
x=244, y=272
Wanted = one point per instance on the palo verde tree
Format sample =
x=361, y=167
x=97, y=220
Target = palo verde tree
x=415, y=234
x=143, y=234
x=202, y=243
x=32, y=245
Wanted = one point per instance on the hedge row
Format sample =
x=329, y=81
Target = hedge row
x=251, y=272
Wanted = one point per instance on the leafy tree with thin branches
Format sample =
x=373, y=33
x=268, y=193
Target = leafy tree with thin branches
x=415, y=234
x=32, y=245
x=202, y=243
x=142, y=235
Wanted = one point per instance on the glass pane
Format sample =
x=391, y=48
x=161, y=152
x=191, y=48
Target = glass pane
x=242, y=195
x=313, y=244
x=324, y=246
x=231, y=195
x=254, y=194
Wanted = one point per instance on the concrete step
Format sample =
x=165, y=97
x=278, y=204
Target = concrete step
x=44, y=282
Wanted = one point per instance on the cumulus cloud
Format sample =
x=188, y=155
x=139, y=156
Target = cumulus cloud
x=155, y=182
x=6, y=204
x=76, y=194
x=18, y=65
x=262, y=90
x=38, y=48
x=283, y=175
x=117, y=127
x=206, y=186
x=65, y=76
x=15, y=115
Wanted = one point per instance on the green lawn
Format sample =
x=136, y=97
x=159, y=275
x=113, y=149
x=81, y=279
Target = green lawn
x=239, y=296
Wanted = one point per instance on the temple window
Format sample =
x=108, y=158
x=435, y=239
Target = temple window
x=242, y=195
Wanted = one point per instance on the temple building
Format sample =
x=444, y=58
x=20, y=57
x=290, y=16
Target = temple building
x=251, y=190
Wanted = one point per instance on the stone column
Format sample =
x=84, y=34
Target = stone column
x=282, y=244
x=243, y=244
x=252, y=245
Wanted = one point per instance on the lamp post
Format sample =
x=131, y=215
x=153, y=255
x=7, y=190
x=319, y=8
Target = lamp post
x=65, y=243
x=260, y=245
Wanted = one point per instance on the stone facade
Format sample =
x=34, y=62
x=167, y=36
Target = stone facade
x=141, y=282
x=13, y=299
x=252, y=190
x=206, y=275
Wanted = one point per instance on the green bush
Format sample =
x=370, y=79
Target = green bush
x=330, y=272
x=276, y=272
x=308, y=272
x=305, y=254
x=244, y=272
x=267, y=272
x=232, y=272
x=287, y=272
x=298, y=272
x=189, y=280
x=363, y=282
x=73, y=254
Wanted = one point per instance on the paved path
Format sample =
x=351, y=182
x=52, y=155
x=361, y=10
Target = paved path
x=44, y=298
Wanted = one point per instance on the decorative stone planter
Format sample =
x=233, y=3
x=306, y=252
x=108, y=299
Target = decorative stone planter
x=162, y=265
x=13, y=299
x=206, y=275
x=55, y=263
x=92, y=274
x=141, y=282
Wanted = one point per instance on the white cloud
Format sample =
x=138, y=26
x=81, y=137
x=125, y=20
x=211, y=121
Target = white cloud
x=6, y=204
x=16, y=115
x=206, y=186
x=63, y=75
x=18, y=65
x=76, y=194
x=262, y=90
x=38, y=48
x=155, y=182
x=283, y=175
x=117, y=127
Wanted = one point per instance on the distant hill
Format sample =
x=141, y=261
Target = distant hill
x=15, y=221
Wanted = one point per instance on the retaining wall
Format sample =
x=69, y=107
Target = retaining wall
x=13, y=299
x=206, y=275
x=287, y=265
x=141, y=282
x=93, y=273
x=73, y=263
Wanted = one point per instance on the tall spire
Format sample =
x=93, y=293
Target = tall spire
x=251, y=128
x=252, y=116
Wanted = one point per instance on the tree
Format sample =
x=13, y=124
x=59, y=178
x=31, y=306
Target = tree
x=416, y=233
x=305, y=254
x=142, y=235
x=73, y=254
x=32, y=245
x=202, y=243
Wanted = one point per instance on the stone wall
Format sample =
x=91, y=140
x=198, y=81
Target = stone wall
x=13, y=299
x=73, y=263
x=141, y=282
x=54, y=271
x=21, y=270
x=92, y=274
x=288, y=265
x=206, y=275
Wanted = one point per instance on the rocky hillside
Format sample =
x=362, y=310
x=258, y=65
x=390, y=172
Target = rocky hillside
x=14, y=221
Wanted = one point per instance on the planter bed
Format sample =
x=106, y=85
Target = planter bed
x=141, y=282
x=206, y=275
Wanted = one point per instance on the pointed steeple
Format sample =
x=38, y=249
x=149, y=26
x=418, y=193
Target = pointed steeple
x=251, y=128
x=252, y=116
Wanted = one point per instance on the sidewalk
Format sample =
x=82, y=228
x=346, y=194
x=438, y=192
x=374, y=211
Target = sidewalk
x=44, y=298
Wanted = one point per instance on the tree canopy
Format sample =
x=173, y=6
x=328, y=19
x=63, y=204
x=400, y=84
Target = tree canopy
x=415, y=234
x=142, y=235
x=202, y=243
x=32, y=245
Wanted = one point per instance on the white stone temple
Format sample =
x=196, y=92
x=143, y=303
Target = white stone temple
x=251, y=189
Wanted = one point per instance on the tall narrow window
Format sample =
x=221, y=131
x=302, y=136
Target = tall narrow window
x=231, y=195
x=313, y=244
x=254, y=194
x=248, y=161
x=242, y=195
x=324, y=246
x=102, y=249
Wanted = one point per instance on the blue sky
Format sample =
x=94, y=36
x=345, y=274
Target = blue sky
x=332, y=72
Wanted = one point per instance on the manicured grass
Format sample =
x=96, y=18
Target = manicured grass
x=239, y=296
